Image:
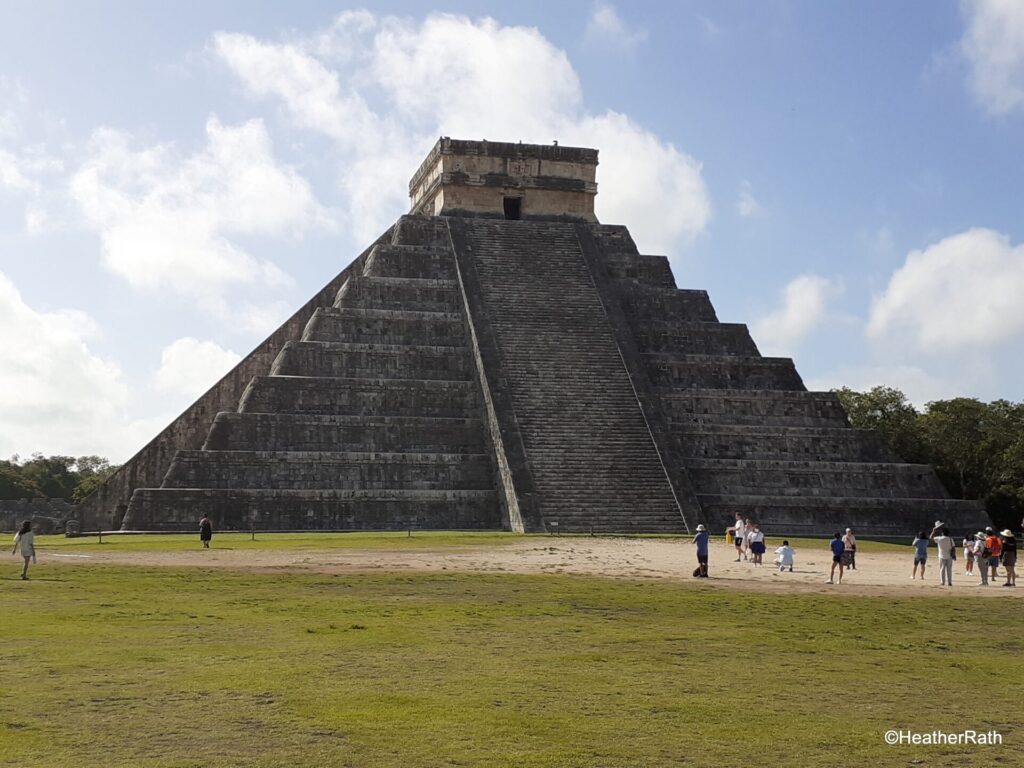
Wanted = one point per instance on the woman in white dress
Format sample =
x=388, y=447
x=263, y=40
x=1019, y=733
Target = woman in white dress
x=25, y=540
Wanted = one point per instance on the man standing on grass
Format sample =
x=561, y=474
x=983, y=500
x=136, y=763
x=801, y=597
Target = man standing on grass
x=940, y=535
x=837, y=548
x=701, y=540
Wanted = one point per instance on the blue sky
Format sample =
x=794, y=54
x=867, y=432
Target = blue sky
x=176, y=179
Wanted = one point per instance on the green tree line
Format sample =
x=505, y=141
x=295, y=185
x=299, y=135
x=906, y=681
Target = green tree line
x=976, y=448
x=71, y=478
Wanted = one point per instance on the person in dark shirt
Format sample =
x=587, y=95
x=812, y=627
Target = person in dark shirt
x=1009, y=557
x=701, y=540
x=837, y=548
x=205, y=531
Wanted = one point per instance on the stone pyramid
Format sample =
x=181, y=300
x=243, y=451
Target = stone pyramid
x=498, y=359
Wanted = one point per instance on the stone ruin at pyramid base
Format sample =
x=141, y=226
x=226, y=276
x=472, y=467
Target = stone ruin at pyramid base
x=498, y=359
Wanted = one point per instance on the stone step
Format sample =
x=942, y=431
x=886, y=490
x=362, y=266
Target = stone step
x=645, y=303
x=809, y=478
x=682, y=372
x=406, y=293
x=651, y=271
x=421, y=230
x=360, y=397
x=787, y=443
x=392, y=361
x=410, y=261
x=295, y=432
x=178, y=509
x=695, y=338
x=300, y=470
x=795, y=516
x=710, y=407
x=379, y=326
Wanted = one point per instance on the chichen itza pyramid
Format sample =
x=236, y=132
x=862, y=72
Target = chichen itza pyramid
x=498, y=359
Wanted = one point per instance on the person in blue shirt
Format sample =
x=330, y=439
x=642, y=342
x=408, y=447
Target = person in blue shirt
x=701, y=540
x=920, y=554
x=838, y=548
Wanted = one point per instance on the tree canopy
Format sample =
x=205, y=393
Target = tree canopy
x=976, y=448
x=53, y=477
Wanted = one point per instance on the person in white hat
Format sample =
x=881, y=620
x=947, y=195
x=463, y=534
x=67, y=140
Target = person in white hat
x=981, y=556
x=1009, y=557
x=701, y=541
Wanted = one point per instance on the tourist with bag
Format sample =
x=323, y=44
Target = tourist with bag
x=25, y=539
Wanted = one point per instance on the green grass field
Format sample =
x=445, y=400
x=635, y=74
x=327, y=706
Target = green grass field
x=104, y=665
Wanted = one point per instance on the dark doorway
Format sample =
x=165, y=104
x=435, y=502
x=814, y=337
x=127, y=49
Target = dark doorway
x=513, y=208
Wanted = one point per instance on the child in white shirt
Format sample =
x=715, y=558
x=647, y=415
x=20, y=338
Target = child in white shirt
x=785, y=557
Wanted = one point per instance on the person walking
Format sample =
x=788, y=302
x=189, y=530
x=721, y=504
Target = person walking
x=25, y=540
x=981, y=557
x=205, y=531
x=945, y=544
x=837, y=547
x=701, y=542
x=920, y=554
x=850, y=551
x=1009, y=558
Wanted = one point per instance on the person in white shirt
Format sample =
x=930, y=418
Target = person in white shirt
x=946, y=545
x=25, y=539
x=850, y=553
x=968, y=554
x=756, y=540
x=785, y=557
x=739, y=531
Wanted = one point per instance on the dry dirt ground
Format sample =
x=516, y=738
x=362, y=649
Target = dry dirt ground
x=877, y=573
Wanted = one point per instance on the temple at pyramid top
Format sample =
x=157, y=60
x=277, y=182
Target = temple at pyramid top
x=503, y=180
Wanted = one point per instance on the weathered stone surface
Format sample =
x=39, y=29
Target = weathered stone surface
x=472, y=372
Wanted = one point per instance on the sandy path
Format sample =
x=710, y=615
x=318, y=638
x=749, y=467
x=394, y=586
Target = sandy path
x=886, y=573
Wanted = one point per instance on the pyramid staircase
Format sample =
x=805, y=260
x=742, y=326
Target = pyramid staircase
x=371, y=419
x=593, y=462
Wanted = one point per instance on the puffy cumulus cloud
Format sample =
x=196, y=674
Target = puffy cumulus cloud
x=167, y=222
x=804, y=307
x=747, y=205
x=993, y=45
x=189, y=367
x=449, y=75
x=56, y=395
x=606, y=27
x=963, y=291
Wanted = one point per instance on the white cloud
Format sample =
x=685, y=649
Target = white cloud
x=993, y=44
x=959, y=292
x=448, y=75
x=167, y=222
x=56, y=395
x=605, y=26
x=804, y=306
x=747, y=205
x=189, y=367
x=11, y=175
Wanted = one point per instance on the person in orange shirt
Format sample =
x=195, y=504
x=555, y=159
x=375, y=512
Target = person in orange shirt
x=995, y=550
